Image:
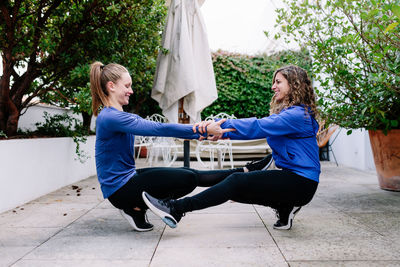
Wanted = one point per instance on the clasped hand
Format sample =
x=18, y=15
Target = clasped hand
x=212, y=128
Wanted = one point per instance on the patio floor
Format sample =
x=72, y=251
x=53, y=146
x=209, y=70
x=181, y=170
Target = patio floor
x=350, y=222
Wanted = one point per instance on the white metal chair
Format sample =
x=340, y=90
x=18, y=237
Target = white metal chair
x=147, y=141
x=166, y=148
x=220, y=147
x=143, y=141
x=162, y=146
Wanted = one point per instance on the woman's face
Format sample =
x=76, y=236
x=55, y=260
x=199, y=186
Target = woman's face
x=122, y=89
x=280, y=87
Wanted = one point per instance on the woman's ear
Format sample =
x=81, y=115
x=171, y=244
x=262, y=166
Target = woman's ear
x=110, y=86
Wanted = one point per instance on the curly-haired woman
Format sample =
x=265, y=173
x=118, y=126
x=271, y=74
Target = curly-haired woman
x=290, y=131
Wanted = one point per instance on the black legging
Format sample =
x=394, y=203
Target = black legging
x=275, y=188
x=164, y=183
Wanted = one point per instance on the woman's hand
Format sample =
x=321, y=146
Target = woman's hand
x=213, y=129
x=202, y=126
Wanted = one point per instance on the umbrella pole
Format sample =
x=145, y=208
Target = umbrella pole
x=184, y=118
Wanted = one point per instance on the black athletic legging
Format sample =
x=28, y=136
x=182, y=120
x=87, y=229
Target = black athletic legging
x=274, y=188
x=162, y=182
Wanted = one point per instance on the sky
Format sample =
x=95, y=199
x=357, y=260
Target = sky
x=239, y=25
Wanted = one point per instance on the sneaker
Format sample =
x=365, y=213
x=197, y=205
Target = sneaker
x=138, y=220
x=164, y=209
x=285, y=218
x=260, y=165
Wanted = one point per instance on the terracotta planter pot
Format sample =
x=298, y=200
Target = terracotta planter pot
x=386, y=150
x=143, y=152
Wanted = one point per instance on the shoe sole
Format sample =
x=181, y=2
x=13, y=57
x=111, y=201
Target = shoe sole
x=290, y=220
x=165, y=217
x=268, y=165
x=133, y=224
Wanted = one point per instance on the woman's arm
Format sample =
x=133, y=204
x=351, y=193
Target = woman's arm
x=286, y=123
x=132, y=123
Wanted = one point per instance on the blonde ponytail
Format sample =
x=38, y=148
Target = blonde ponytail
x=99, y=76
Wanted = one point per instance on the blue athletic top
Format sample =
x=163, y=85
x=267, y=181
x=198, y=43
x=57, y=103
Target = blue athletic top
x=291, y=134
x=115, y=136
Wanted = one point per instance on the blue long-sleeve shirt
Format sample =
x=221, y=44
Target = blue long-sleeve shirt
x=291, y=134
x=115, y=137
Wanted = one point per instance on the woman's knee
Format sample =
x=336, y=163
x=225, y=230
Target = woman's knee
x=190, y=176
x=235, y=181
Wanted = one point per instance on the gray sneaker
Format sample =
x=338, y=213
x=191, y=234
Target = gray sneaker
x=164, y=209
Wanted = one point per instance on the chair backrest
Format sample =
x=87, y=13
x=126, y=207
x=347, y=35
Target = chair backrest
x=324, y=134
x=221, y=115
x=146, y=140
x=157, y=118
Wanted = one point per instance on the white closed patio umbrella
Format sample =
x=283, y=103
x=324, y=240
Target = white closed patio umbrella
x=184, y=73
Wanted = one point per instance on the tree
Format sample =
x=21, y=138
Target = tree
x=355, y=47
x=44, y=42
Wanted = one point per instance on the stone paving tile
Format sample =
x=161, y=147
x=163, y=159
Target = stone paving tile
x=227, y=256
x=341, y=248
x=331, y=173
x=105, y=222
x=123, y=245
x=222, y=230
x=350, y=222
x=11, y=254
x=375, y=263
x=105, y=205
x=227, y=207
x=384, y=223
x=370, y=202
x=333, y=236
x=82, y=262
x=85, y=187
x=25, y=236
x=85, y=191
x=101, y=234
x=57, y=214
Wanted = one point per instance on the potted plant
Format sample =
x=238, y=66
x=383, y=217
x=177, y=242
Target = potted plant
x=355, y=47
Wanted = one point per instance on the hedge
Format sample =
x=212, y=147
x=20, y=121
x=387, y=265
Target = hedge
x=244, y=82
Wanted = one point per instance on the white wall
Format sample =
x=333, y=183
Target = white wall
x=35, y=114
x=31, y=168
x=353, y=150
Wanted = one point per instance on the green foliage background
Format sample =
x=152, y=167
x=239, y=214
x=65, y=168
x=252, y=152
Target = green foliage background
x=132, y=41
x=244, y=82
x=355, y=47
x=56, y=41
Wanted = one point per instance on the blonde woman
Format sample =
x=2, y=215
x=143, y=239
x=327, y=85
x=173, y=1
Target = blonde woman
x=290, y=131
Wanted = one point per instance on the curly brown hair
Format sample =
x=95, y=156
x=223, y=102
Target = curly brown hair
x=301, y=90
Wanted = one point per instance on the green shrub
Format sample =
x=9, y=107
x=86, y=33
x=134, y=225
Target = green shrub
x=62, y=125
x=244, y=82
x=355, y=46
x=2, y=134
